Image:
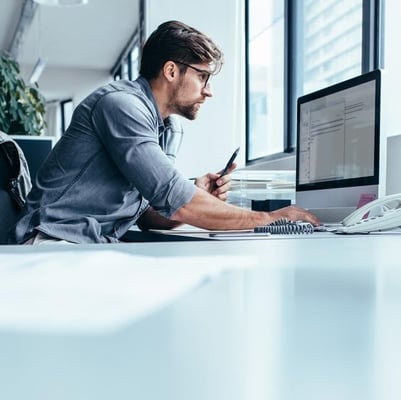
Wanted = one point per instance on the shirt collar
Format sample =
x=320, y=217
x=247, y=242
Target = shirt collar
x=148, y=91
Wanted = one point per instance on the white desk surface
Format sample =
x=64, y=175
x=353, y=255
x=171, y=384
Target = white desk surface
x=305, y=319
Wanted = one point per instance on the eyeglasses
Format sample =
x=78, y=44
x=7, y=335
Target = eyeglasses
x=204, y=75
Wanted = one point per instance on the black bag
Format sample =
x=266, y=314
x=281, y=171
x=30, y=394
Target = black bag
x=14, y=185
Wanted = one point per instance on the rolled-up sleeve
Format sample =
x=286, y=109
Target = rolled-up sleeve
x=127, y=126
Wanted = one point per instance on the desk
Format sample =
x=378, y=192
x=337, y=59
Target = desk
x=314, y=319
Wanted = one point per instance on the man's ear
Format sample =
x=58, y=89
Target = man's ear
x=170, y=71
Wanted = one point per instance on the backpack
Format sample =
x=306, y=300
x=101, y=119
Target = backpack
x=15, y=183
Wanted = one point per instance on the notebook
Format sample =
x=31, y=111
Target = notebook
x=282, y=226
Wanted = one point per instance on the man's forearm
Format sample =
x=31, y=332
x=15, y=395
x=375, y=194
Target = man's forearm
x=206, y=211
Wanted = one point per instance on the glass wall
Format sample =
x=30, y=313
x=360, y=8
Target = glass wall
x=266, y=77
x=296, y=47
x=329, y=42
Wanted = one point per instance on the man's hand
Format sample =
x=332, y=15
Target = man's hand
x=215, y=184
x=294, y=213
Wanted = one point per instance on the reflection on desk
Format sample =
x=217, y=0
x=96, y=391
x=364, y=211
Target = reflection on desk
x=313, y=319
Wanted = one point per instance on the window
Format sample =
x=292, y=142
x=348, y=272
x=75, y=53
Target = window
x=265, y=77
x=329, y=40
x=295, y=47
x=128, y=65
x=67, y=109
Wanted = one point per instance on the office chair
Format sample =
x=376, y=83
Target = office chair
x=11, y=197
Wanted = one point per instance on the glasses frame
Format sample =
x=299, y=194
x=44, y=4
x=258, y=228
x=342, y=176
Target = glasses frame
x=202, y=71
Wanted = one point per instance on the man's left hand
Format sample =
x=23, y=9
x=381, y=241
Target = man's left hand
x=215, y=184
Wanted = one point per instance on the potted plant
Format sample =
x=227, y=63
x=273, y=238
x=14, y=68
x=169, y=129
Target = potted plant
x=22, y=107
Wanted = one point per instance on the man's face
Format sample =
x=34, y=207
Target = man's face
x=191, y=91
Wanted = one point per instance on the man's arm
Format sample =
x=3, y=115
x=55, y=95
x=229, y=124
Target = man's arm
x=208, y=212
x=151, y=219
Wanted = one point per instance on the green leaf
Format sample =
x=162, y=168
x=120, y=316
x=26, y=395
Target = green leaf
x=22, y=106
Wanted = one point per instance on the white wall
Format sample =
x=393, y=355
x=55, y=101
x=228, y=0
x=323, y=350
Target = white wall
x=391, y=87
x=392, y=69
x=219, y=128
x=60, y=83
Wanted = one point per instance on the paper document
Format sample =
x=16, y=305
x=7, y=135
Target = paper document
x=192, y=230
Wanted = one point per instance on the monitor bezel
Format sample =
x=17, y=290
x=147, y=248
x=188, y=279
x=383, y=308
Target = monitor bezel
x=338, y=87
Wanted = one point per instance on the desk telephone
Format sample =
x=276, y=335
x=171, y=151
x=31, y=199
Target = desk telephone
x=378, y=215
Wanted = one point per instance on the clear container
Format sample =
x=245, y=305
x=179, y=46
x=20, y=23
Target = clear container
x=261, y=185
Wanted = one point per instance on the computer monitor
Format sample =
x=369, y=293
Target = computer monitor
x=338, y=133
x=36, y=149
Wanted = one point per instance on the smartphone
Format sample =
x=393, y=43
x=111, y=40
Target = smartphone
x=230, y=162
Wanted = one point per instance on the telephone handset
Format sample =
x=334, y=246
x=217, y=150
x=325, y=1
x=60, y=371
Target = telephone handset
x=378, y=215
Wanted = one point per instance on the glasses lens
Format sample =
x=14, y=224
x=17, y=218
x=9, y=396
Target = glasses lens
x=205, y=75
x=207, y=81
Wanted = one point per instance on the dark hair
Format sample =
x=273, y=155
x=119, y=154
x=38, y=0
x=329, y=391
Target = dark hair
x=176, y=41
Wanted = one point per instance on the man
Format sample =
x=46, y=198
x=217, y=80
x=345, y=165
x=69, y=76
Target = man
x=108, y=171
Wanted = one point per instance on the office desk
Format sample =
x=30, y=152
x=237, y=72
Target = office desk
x=314, y=318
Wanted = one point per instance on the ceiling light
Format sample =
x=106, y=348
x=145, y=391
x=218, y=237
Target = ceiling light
x=61, y=3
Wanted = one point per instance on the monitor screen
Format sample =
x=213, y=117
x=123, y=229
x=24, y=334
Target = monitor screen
x=35, y=149
x=338, y=143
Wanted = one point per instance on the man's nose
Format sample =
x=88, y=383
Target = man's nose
x=207, y=91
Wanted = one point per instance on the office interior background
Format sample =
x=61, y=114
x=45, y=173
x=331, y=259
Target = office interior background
x=274, y=52
x=288, y=319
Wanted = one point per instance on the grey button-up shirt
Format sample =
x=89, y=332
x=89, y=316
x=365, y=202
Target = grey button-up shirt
x=105, y=170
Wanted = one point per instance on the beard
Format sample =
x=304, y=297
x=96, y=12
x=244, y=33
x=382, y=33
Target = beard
x=186, y=110
x=189, y=111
